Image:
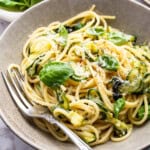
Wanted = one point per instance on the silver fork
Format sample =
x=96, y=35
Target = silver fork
x=16, y=90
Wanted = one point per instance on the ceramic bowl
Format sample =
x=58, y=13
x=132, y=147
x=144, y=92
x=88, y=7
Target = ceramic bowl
x=9, y=16
x=132, y=17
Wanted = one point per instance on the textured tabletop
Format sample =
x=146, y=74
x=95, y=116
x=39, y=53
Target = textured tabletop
x=8, y=141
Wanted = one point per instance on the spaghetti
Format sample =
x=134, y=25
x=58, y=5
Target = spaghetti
x=92, y=77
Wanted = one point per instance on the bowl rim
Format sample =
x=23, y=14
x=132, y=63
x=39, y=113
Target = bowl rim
x=140, y=4
x=20, y=135
x=147, y=2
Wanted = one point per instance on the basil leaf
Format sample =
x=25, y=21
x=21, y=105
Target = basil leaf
x=74, y=27
x=12, y=5
x=118, y=106
x=96, y=31
x=120, y=38
x=63, y=35
x=33, y=2
x=141, y=112
x=63, y=31
x=54, y=74
x=78, y=26
x=108, y=62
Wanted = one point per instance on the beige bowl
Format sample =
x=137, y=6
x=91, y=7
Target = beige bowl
x=9, y=16
x=132, y=18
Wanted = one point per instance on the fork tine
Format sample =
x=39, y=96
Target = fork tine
x=24, y=100
x=13, y=94
x=19, y=79
x=20, y=74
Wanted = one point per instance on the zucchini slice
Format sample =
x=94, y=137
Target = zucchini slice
x=147, y=79
x=133, y=74
x=88, y=137
x=146, y=82
x=134, y=87
x=33, y=69
x=75, y=118
x=62, y=99
x=134, y=82
x=142, y=67
x=65, y=104
x=77, y=78
x=93, y=94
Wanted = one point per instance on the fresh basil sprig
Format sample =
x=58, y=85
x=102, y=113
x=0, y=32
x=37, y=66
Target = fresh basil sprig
x=53, y=74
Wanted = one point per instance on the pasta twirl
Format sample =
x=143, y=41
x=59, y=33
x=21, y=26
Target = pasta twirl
x=91, y=76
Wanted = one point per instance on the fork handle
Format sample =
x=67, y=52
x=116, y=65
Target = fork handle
x=74, y=138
